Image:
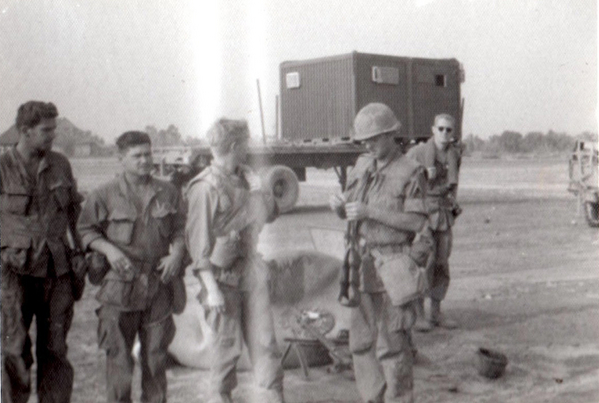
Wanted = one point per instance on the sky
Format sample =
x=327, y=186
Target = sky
x=117, y=65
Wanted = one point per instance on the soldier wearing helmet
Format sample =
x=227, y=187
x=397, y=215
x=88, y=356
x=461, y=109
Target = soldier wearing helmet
x=385, y=197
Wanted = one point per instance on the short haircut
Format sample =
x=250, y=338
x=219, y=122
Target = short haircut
x=445, y=116
x=31, y=113
x=225, y=132
x=132, y=139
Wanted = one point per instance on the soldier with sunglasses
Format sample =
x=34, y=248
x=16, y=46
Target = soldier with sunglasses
x=441, y=157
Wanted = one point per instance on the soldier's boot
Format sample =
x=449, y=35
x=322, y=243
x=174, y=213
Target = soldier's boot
x=438, y=319
x=422, y=324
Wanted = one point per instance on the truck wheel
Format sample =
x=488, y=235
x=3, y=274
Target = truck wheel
x=284, y=185
x=591, y=213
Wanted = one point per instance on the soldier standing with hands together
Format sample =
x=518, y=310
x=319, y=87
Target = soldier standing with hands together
x=385, y=196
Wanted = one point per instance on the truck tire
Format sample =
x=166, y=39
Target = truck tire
x=591, y=213
x=284, y=185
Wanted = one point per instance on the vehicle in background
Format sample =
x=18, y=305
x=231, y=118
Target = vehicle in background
x=318, y=101
x=583, y=173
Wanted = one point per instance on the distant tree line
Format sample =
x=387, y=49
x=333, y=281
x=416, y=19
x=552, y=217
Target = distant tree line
x=511, y=142
x=169, y=137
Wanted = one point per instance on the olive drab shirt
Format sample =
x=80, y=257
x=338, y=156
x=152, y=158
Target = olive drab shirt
x=35, y=212
x=224, y=220
x=142, y=229
x=446, y=163
x=399, y=185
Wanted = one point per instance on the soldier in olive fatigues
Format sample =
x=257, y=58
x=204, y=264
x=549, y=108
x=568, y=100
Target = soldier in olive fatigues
x=442, y=160
x=133, y=220
x=227, y=208
x=39, y=205
x=385, y=195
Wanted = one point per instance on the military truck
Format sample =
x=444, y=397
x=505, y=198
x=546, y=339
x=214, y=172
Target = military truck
x=583, y=172
x=318, y=101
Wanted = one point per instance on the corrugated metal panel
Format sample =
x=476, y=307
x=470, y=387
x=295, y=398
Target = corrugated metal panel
x=321, y=107
x=436, y=90
x=324, y=94
x=392, y=92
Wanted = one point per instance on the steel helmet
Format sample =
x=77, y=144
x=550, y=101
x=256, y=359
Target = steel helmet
x=374, y=119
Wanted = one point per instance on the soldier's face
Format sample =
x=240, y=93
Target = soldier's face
x=380, y=146
x=240, y=151
x=41, y=136
x=137, y=160
x=443, y=130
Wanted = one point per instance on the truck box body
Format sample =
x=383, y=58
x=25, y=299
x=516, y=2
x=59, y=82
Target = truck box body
x=320, y=97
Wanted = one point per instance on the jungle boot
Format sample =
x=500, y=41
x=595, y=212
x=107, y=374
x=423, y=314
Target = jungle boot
x=422, y=324
x=438, y=319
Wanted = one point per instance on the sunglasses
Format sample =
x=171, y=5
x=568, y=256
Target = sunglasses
x=444, y=129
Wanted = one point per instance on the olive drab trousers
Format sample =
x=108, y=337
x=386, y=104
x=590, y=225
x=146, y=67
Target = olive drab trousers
x=381, y=348
x=116, y=335
x=247, y=318
x=437, y=266
x=50, y=300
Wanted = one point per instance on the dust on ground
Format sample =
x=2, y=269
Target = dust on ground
x=525, y=281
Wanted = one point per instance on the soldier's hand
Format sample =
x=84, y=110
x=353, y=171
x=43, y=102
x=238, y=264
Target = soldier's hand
x=337, y=203
x=356, y=211
x=169, y=266
x=215, y=300
x=120, y=263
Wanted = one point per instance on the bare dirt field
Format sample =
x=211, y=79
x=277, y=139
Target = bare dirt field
x=525, y=281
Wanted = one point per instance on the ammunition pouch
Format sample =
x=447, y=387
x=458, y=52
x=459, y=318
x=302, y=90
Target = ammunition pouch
x=404, y=281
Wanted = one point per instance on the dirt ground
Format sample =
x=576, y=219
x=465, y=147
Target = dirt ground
x=525, y=281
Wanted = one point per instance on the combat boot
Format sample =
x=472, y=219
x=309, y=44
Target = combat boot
x=438, y=319
x=422, y=324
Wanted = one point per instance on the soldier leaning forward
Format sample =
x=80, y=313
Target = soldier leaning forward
x=133, y=220
x=227, y=208
x=385, y=197
x=39, y=205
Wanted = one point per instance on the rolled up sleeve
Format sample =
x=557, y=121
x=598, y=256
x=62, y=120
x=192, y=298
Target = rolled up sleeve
x=92, y=220
x=202, y=203
x=415, y=193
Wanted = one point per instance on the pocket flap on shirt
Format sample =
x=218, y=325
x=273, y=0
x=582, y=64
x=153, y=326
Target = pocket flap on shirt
x=15, y=189
x=15, y=241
